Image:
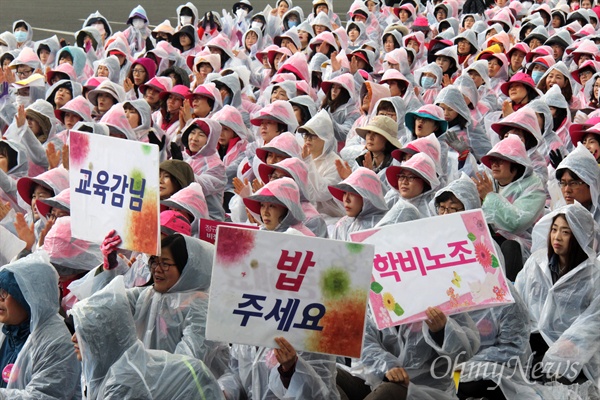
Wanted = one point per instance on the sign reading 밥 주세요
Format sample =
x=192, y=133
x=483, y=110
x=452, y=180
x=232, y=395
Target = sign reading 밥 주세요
x=311, y=291
x=114, y=185
x=448, y=262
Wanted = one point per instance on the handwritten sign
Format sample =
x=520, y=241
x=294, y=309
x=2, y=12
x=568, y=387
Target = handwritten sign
x=447, y=261
x=114, y=185
x=311, y=291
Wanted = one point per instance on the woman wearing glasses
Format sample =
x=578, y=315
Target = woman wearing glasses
x=170, y=310
x=579, y=178
x=141, y=71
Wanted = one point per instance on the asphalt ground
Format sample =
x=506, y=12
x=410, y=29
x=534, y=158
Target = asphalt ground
x=65, y=17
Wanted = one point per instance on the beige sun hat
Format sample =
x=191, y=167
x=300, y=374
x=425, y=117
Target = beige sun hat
x=383, y=125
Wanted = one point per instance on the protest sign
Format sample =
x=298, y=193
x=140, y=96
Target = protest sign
x=448, y=262
x=114, y=185
x=208, y=229
x=311, y=291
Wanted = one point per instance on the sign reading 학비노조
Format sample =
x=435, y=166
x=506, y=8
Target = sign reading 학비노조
x=448, y=262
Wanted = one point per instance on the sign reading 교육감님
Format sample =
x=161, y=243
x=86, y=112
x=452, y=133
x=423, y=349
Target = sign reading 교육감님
x=311, y=291
x=114, y=185
x=448, y=262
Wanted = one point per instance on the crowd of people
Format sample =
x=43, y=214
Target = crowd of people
x=304, y=125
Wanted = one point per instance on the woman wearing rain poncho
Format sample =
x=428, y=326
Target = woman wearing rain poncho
x=117, y=366
x=559, y=283
x=340, y=104
x=579, y=180
x=13, y=165
x=296, y=169
x=514, y=199
x=504, y=330
x=320, y=157
x=361, y=194
x=200, y=137
x=170, y=314
x=36, y=357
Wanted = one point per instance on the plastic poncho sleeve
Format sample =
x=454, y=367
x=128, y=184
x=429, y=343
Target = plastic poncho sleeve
x=35, y=150
x=343, y=119
x=375, y=357
x=9, y=186
x=513, y=334
x=320, y=180
x=230, y=382
x=54, y=371
x=314, y=378
x=519, y=215
x=461, y=338
x=211, y=180
x=577, y=345
x=193, y=342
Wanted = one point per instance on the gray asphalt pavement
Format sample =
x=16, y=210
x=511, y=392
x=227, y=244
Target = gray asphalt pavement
x=64, y=17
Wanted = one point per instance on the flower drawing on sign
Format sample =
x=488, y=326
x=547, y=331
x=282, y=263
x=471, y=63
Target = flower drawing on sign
x=235, y=245
x=484, y=257
x=453, y=297
x=500, y=293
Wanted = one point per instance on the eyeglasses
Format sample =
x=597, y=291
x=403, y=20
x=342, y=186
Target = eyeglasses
x=308, y=136
x=386, y=114
x=449, y=210
x=571, y=184
x=138, y=71
x=3, y=294
x=24, y=73
x=407, y=178
x=156, y=262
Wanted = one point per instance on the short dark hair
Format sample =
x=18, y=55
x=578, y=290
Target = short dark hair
x=10, y=154
x=176, y=244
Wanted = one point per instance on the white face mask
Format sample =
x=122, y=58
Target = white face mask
x=22, y=100
x=138, y=23
x=100, y=27
x=185, y=20
x=241, y=13
x=257, y=24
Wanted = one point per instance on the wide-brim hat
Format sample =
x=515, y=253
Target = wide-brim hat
x=384, y=126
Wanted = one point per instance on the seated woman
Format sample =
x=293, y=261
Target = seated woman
x=35, y=355
x=277, y=206
x=361, y=194
x=558, y=74
x=13, y=165
x=579, y=178
x=339, y=102
x=115, y=362
x=200, y=139
x=559, y=286
x=170, y=311
x=415, y=181
x=512, y=200
x=296, y=169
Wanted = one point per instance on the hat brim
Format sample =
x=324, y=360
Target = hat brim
x=362, y=132
x=410, y=117
x=485, y=160
x=505, y=87
x=253, y=202
x=258, y=120
x=338, y=191
x=399, y=153
x=391, y=173
x=24, y=188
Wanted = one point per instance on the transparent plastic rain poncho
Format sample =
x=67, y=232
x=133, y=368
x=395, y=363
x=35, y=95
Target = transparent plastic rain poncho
x=36, y=151
x=422, y=166
x=322, y=171
x=413, y=348
x=46, y=367
x=475, y=136
x=504, y=352
x=209, y=170
x=113, y=65
x=298, y=171
x=191, y=200
x=344, y=116
x=566, y=313
x=117, y=122
x=117, y=366
x=8, y=180
x=512, y=211
x=550, y=141
x=175, y=321
x=429, y=94
x=401, y=211
x=366, y=184
x=525, y=119
x=253, y=375
x=465, y=190
x=583, y=164
x=285, y=192
x=79, y=61
x=377, y=92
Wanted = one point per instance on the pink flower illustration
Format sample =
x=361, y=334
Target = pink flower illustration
x=484, y=257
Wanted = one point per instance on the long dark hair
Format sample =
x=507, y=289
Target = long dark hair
x=333, y=105
x=575, y=254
